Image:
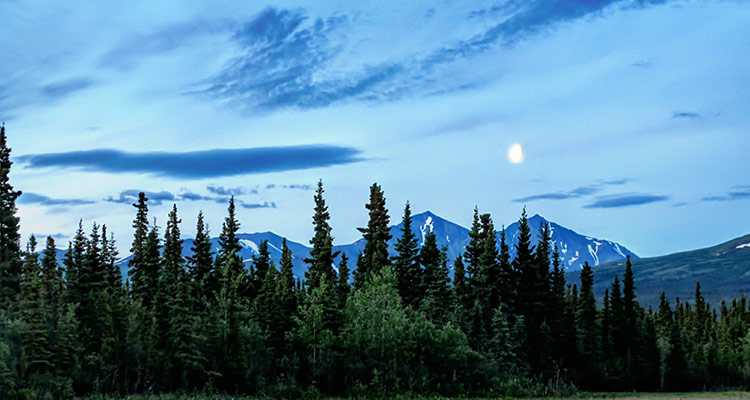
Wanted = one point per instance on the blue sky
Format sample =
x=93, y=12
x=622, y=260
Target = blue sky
x=633, y=115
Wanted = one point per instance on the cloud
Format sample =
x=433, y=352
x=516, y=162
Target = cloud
x=288, y=60
x=618, y=181
x=38, y=199
x=741, y=192
x=222, y=191
x=64, y=88
x=581, y=191
x=257, y=205
x=625, y=200
x=131, y=197
x=56, y=236
x=137, y=46
x=292, y=186
x=685, y=114
x=199, y=164
x=642, y=64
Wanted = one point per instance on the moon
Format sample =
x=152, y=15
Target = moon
x=515, y=154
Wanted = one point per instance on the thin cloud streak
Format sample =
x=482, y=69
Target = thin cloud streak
x=626, y=200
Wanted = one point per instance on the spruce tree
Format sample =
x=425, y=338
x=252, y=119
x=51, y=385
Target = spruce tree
x=204, y=283
x=52, y=278
x=37, y=349
x=10, y=238
x=491, y=279
x=508, y=280
x=406, y=262
x=229, y=250
x=322, y=255
x=462, y=292
x=374, y=257
x=534, y=292
x=286, y=312
x=588, y=333
x=261, y=265
x=437, y=302
x=343, y=282
x=473, y=249
x=142, y=275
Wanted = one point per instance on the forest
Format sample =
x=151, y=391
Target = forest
x=395, y=325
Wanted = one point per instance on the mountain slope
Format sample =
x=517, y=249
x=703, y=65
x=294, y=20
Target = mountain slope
x=723, y=271
x=574, y=248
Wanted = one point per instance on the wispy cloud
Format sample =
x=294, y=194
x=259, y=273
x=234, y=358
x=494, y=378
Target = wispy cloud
x=222, y=191
x=287, y=58
x=581, y=191
x=642, y=64
x=251, y=206
x=135, y=47
x=38, y=199
x=131, y=197
x=625, y=200
x=292, y=186
x=199, y=164
x=59, y=89
x=741, y=192
x=685, y=114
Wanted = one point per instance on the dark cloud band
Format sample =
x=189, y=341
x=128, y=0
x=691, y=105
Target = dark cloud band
x=199, y=164
x=625, y=200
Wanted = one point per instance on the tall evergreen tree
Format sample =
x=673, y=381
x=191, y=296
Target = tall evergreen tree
x=588, y=333
x=287, y=307
x=343, y=282
x=261, y=265
x=406, y=262
x=52, y=279
x=508, y=281
x=142, y=275
x=322, y=255
x=200, y=267
x=229, y=249
x=534, y=292
x=437, y=302
x=10, y=238
x=473, y=249
x=37, y=365
x=376, y=235
x=462, y=292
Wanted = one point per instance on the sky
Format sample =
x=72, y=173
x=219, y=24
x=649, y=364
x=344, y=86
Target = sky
x=632, y=114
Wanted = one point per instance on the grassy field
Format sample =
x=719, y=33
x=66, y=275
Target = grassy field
x=673, y=396
x=580, y=396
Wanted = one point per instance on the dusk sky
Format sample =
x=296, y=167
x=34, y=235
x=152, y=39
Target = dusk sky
x=633, y=116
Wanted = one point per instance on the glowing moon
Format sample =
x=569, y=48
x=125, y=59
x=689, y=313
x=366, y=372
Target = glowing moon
x=515, y=154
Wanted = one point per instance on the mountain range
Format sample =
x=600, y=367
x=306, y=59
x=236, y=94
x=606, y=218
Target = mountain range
x=575, y=249
x=723, y=270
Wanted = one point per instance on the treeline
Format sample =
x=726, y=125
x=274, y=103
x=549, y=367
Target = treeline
x=397, y=325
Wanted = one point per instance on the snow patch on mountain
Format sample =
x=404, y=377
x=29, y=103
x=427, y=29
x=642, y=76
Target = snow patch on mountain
x=428, y=224
x=249, y=244
x=742, y=246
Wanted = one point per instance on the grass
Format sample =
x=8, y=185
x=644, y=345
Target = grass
x=580, y=396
